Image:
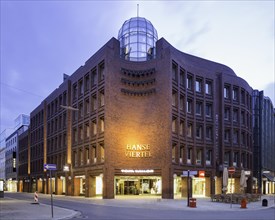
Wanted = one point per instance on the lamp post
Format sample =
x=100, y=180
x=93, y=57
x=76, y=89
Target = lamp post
x=68, y=166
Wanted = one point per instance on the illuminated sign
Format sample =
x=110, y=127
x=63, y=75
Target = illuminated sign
x=201, y=173
x=138, y=150
x=137, y=171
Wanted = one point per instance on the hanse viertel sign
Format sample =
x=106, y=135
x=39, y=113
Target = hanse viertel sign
x=138, y=150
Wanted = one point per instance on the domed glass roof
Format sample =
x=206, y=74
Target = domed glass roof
x=137, y=38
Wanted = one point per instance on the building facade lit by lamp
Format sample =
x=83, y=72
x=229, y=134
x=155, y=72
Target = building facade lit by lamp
x=146, y=113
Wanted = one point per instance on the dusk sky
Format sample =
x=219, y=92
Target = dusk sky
x=41, y=40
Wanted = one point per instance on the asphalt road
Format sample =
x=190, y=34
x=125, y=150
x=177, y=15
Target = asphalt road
x=89, y=210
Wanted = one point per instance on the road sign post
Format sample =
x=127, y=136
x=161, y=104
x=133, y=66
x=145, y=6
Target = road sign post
x=231, y=171
x=50, y=167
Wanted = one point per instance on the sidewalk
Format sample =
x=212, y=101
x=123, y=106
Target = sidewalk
x=20, y=209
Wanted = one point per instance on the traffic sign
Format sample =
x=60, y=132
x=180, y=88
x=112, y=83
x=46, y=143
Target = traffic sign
x=191, y=173
x=231, y=170
x=50, y=166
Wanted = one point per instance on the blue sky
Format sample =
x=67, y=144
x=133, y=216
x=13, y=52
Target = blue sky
x=41, y=40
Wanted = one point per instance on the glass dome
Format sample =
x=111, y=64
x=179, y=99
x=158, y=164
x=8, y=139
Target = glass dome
x=137, y=38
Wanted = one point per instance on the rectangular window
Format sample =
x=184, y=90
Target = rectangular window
x=182, y=74
x=174, y=98
x=81, y=88
x=189, y=106
x=199, y=131
x=198, y=108
x=94, y=77
x=243, y=138
x=87, y=155
x=235, y=159
x=208, y=88
x=226, y=92
x=174, y=147
x=208, y=158
x=174, y=124
x=227, y=135
x=94, y=127
x=227, y=113
x=94, y=154
x=75, y=135
x=74, y=91
x=199, y=157
x=81, y=110
x=189, y=155
x=226, y=158
x=235, y=94
x=235, y=136
x=102, y=124
x=87, y=82
x=189, y=82
x=102, y=152
x=101, y=98
x=208, y=110
x=94, y=103
x=235, y=115
x=198, y=85
x=87, y=130
x=81, y=133
x=101, y=71
x=87, y=106
x=181, y=153
x=181, y=102
x=174, y=72
x=181, y=127
x=189, y=130
x=209, y=133
x=243, y=97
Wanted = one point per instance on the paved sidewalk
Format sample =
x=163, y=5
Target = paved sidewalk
x=20, y=209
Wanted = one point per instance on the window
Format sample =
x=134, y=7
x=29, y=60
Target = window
x=81, y=157
x=102, y=124
x=181, y=153
x=198, y=108
x=235, y=115
x=235, y=94
x=198, y=85
x=243, y=138
x=189, y=130
x=80, y=110
x=209, y=133
x=174, y=147
x=243, y=118
x=226, y=113
x=174, y=124
x=189, y=82
x=81, y=88
x=87, y=82
x=87, y=155
x=102, y=152
x=87, y=106
x=189, y=155
x=94, y=103
x=199, y=157
x=74, y=91
x=181, y=127
x=174, y=98
x=208, y=88
x=94, y=154
x=226, y=158
x=75, y=135
x=75, y=159
x=174, y=72
x=226, y=92
x=199, y=131
x=208, y=110
x=235, y=159
x=208, y=158
x=182, y=73
x=94, y=77
x=243, y=97
x=94, y=127
x=189, y=106
x=87, y=130
x=227, y=135
x=101, y=71
x=181, y=102
x=235, y=136
x=81, y=133
x=101, y=98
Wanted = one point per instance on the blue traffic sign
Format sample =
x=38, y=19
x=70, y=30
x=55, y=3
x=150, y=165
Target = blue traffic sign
x=50, y=166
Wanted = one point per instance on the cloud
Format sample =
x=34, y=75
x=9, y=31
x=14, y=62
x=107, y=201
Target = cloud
x=270, y=92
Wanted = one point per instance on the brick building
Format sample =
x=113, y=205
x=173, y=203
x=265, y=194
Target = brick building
x=138, y=114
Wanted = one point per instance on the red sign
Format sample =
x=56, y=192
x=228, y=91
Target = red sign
x=201, y=173
x=231, y=170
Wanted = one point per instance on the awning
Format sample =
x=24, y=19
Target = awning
x=269, y=176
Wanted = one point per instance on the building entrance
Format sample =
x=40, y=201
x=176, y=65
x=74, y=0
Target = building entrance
x=137, y=185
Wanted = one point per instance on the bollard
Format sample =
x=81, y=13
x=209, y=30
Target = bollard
x=36, y=197
x=192, y=203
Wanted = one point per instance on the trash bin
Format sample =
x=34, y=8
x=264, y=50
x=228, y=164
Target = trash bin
x=192, y=203
x=264, y=202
